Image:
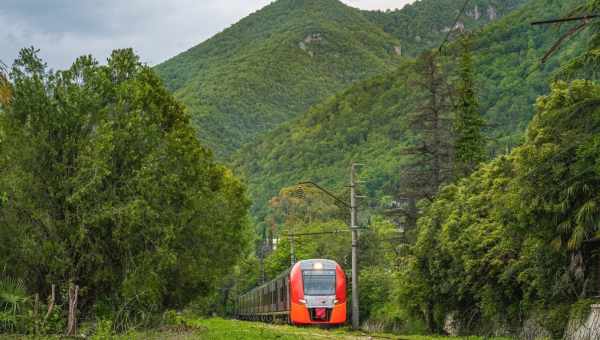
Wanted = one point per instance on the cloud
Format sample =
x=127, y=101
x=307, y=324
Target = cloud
x=156, y=29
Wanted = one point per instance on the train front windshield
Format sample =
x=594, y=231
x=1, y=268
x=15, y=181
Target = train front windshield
x=319, y=282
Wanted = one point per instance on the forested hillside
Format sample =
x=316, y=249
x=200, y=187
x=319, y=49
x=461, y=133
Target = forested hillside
x=274, y=64
x=424, y=24
x=367, y=122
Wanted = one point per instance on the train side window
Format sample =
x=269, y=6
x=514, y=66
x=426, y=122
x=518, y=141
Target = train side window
x=281, y=291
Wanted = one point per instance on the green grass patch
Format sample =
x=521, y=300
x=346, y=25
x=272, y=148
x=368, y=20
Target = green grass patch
x=221, y=329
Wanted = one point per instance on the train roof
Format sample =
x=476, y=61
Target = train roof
x=304, y=265
x=321, y=263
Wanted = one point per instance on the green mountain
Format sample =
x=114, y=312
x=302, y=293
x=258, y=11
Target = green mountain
x=272, y=65
x=367, y=121
x=425, y=24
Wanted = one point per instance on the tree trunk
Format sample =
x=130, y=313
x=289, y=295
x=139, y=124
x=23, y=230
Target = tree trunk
x=51, y=300
x=72, y=322
x=431, y=324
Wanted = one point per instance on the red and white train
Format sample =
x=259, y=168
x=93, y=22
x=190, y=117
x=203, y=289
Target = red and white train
x=312, y=292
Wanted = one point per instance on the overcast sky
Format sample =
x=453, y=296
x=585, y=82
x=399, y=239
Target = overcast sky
x=156, y=29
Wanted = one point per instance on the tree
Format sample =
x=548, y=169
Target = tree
x=108, y=188
x=505, y=243
x=429, y=158
x=470, y=143
x=5, y=89
x=301, y=211
x=560, y=163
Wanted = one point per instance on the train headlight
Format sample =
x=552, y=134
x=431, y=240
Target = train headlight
x=302, y=301
x=318, y=266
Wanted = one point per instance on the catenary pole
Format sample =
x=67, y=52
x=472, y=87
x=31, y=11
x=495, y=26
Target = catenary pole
x=292, y=250
x=354, y=228
x=353, y=207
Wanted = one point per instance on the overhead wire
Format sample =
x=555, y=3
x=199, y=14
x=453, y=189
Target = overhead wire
x=460, y=14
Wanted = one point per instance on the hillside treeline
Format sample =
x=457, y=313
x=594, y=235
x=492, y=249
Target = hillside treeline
x=105, y=187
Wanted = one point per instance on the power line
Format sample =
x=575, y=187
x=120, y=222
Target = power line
x=460, y=14
x=319, y=233
x=327, y=192
x=555, y=21
x=568, y=34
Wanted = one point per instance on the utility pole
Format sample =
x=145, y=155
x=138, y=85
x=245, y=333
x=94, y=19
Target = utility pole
x=353, y=207
x=292, y=251
x=354, y=228
x=262, y=263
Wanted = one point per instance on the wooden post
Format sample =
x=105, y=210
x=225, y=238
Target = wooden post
x=36, y=305
x=51, y=300
x=72, y=321
x=35, y=313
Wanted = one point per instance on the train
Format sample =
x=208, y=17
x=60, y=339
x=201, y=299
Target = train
x=311, y=292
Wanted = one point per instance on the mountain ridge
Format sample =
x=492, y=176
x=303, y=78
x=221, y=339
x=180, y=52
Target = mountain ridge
x=365, y=122
x=423, y=24
x=274, y=64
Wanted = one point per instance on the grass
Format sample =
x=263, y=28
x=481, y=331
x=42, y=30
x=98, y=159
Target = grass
x=221, y=329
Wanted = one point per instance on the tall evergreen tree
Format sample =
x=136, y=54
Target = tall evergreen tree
x=430, y=156
x=468, y=123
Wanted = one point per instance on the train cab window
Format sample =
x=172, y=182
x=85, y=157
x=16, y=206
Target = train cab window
x=319, y=282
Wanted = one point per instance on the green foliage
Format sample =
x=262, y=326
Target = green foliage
x=584, y=65
x=332, y=246
x=272, y=65
x=308, y=212
x=104, y=330
x=222, y=329
x=429, y=155
x=107, y=187
x=367, y=122
x=5, y=88
x=560, y=162
x=423, y=25
x=469, y=144
x=487, y=246
x=12, y=301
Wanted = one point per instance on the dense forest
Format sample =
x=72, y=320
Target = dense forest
x=107, y=199
x=274, y=64
x=479, y=135
x=423, y=25
x=367, y=122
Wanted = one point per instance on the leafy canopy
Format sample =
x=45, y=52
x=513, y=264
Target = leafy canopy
x=106, y=186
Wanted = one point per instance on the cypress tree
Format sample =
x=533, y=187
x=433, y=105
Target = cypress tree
x=429, y=158
x=468, y=123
